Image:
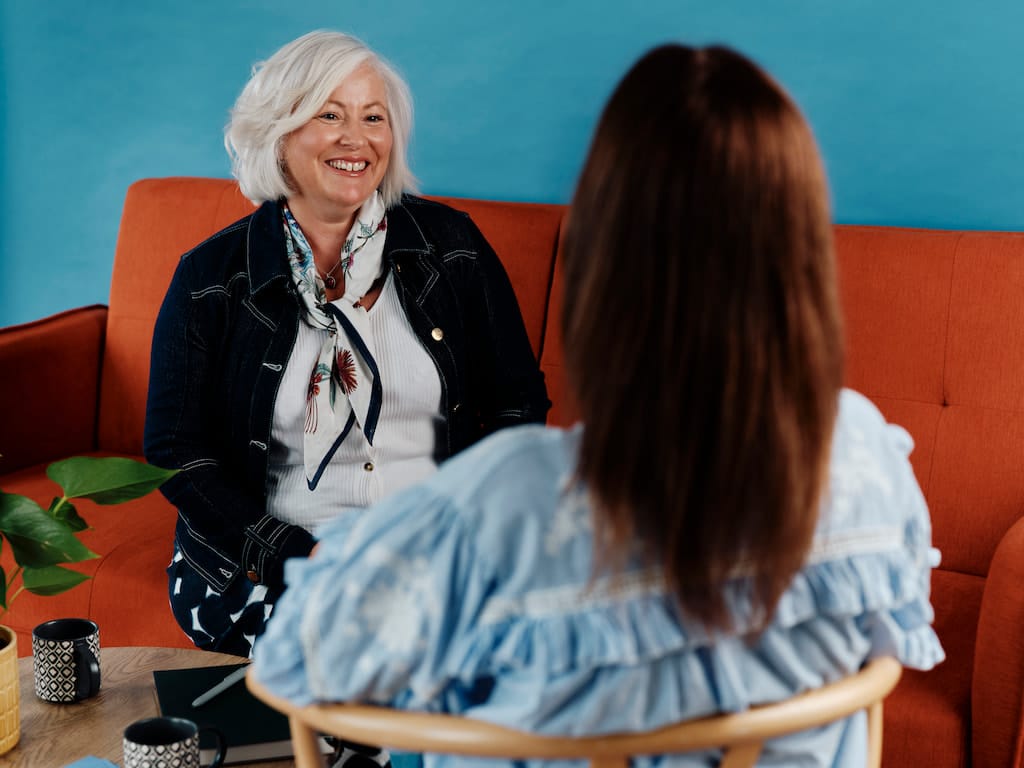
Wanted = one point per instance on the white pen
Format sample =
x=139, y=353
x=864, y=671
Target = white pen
x=220, y=687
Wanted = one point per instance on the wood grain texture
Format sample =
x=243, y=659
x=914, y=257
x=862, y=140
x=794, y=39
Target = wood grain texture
x=58, y=734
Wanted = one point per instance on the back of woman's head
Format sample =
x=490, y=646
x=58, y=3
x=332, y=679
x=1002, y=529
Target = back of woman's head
x=701, y=325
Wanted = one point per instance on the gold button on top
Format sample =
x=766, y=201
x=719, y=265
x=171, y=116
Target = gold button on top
x=368, y=466
x=437, y=334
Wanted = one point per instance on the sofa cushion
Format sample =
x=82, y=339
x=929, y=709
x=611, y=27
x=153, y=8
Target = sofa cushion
x=520, y=228
x=162, y=219
x=563, y=411
x=927, y=717
x=894, y=289
x=925, y=311
x=51, y=376
x=127, y=594
x=997, y=694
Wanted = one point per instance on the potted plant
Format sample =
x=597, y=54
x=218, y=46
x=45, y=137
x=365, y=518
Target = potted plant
x=42, y=541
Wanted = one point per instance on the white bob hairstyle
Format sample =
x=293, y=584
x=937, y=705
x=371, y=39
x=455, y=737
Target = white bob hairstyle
x=287, y=90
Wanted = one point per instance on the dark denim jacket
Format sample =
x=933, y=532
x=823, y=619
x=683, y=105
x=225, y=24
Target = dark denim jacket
x=223, y=338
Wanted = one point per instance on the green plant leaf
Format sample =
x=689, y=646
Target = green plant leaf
x=67, y=514
x=51, y=580
x=109, y=480
x=29, y=553
x=38, y=539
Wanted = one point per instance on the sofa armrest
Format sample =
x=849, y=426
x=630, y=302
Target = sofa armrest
x=49, y=386
x=997, y=692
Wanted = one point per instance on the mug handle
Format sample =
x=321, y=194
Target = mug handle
x=87, y=672
x=222, y=746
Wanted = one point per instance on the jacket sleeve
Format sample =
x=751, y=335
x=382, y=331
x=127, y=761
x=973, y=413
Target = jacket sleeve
x=223, y=526
x=509, y=381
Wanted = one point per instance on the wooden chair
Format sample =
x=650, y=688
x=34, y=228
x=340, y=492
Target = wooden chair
x=740, y=735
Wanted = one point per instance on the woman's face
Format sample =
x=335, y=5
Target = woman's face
x=337, y=159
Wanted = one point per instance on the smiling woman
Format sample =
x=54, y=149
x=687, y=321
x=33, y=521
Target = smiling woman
x=337, y=161
x=327, y=350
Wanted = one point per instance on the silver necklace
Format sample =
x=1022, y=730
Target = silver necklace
x=328, y=279
x=346, y=258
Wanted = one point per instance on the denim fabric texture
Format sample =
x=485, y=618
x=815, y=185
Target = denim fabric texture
x=223, y=339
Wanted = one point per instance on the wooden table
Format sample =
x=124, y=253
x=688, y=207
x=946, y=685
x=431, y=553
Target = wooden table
x=53, y=735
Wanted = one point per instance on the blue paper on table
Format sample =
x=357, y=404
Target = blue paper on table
x=91, y=762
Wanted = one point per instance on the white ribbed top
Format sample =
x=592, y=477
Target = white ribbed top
x=403, y=444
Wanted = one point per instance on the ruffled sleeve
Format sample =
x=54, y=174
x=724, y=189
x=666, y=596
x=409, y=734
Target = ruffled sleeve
x=873, y=550
x=368, y=618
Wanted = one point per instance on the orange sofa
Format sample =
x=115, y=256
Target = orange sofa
x=935, y=329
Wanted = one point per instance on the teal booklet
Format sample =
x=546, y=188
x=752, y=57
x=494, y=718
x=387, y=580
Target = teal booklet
x=253, y=731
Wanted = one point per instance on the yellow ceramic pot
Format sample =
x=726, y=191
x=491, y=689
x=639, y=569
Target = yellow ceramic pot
x=10, y=705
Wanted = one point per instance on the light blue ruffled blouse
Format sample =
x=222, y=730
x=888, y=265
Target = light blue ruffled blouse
x=474, y=593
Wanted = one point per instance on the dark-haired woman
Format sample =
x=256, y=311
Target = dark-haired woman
x=726, y=527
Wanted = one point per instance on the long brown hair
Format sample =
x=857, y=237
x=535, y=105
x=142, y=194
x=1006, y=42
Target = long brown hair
x=701, y=325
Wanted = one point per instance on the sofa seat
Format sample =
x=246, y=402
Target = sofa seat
x=928, y=714
x=127, y=595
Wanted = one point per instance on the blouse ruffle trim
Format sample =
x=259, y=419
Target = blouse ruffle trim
x=881, y=592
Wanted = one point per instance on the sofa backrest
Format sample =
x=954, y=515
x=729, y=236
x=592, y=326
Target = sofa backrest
x=935, y=336
x=933, y=322
x=164, y=218
x=934, y=326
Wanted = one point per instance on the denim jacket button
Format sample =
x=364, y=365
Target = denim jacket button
x=368, y=466
x=437, y=334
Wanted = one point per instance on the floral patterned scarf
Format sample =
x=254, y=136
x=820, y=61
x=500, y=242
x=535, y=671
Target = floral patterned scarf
x=344, y=387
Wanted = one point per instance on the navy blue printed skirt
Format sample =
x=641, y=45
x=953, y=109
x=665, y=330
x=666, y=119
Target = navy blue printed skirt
x=226, y=622
x=229, y=622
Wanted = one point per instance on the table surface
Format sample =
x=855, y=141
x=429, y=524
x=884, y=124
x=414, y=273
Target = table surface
x=54, y=735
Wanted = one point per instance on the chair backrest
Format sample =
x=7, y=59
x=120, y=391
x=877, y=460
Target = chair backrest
x=740, y=735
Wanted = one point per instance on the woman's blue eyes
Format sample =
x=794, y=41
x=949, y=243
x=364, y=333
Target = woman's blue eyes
x=333, y=116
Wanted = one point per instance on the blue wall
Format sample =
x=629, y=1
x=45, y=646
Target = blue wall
x=917, y=104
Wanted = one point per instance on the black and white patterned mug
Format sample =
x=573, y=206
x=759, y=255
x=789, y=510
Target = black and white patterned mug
x=66, y=660
x=168, y=742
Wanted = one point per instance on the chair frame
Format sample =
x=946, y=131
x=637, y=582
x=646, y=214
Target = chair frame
x=741, y=735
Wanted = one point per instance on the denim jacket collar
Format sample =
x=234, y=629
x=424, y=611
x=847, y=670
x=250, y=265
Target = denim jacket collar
x=404, y=234
x=265, y=247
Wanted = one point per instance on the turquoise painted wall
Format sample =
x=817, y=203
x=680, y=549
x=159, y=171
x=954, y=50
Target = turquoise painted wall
x=918, y=105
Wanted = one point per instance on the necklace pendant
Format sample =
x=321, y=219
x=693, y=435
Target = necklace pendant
x=330, y=282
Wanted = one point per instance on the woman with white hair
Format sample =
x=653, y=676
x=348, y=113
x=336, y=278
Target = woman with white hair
x=327, y=350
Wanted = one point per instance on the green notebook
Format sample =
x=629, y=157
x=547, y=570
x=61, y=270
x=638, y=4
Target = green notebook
x=253, y=731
